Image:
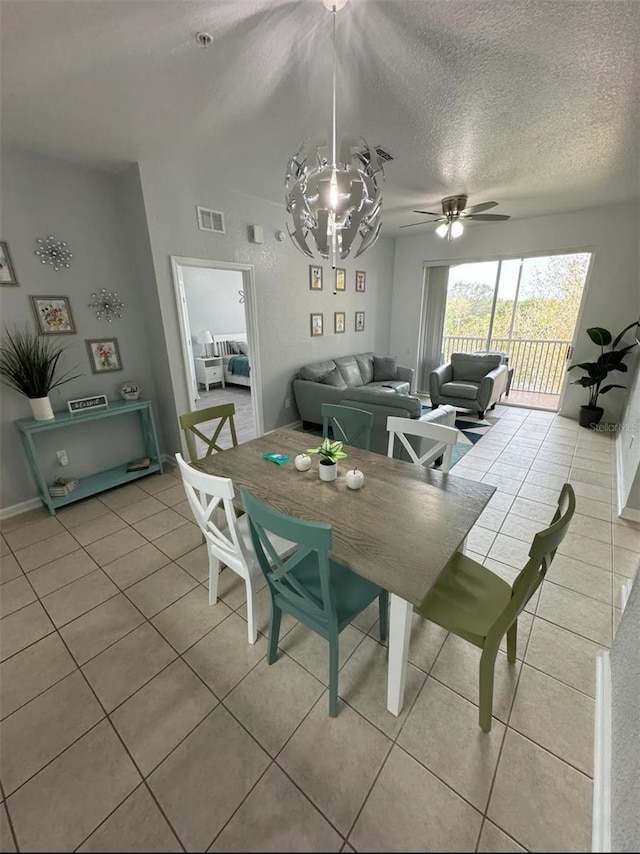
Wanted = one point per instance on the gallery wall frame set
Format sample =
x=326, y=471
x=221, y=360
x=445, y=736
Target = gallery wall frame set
x=53, y=315
x=341, y=279
x=7, y=270
x=359, y=321
x=317, y=324
x=339, y=324
x=315, y=277
x=104, y=355
x=361, y=281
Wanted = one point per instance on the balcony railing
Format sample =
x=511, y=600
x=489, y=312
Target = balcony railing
x=538, y=365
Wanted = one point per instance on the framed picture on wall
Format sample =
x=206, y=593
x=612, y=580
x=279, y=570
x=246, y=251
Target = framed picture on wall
x=7, y=270
x=53, y=315
x=361, y=279
x=104, y=355
x=359, y=321
x=338, y=321
x=315, y=277
x=341, y=279
x=316, y=325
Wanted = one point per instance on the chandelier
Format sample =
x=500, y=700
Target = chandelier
x=333, y=195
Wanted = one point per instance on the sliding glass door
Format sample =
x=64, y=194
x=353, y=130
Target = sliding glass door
x=526, y=308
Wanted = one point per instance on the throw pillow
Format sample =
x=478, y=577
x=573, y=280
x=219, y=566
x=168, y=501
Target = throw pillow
x=384, y=368
x=334, y=378
x=242, y=348
x=233, y=346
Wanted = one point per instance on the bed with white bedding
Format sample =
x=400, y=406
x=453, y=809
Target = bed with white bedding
x=235, y=365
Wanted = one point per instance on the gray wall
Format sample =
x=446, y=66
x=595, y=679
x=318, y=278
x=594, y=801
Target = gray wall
x=612, y=300
x=625, y=728
x=213, y=303
x=40, y=196
x=172, y=189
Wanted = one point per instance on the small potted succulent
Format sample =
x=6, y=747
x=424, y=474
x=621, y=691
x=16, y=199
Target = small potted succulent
x=608, y=361
x=329, y=453
x=29, y=364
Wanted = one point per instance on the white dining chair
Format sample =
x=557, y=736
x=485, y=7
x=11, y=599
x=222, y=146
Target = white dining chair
x=228, y=539
x=444, y=436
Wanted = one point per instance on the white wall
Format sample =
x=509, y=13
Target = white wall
x=213, y=302
x=612, y=301
x=41, y=196
x=172, y=189
x=628, y=446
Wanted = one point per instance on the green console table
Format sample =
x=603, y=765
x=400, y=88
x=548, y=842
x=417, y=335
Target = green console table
x=101, y=480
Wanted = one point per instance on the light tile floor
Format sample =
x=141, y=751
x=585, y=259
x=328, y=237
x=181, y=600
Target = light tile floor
x=136, y=717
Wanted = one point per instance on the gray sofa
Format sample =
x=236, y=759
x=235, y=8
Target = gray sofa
x=469, y=381
x=383, y=403
x=326, y=382
x=351, y=381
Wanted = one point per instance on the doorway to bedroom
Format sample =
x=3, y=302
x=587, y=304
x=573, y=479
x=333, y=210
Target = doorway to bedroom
x=219, y=339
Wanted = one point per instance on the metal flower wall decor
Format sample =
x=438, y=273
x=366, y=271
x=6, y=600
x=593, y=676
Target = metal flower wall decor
x=54, y=252
x=107, y=304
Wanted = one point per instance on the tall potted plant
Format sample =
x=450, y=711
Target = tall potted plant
x=608, y=361
x=29, y=364
x=329, y=453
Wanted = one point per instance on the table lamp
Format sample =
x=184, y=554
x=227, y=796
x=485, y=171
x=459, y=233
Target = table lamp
x=205, y=338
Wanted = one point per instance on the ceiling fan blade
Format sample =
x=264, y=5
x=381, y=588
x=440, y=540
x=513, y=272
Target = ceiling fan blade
x=488, y=217
x=429, y=213
x=484, y=206
x=424, y=222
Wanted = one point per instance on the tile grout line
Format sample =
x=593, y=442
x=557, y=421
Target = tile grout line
x=111, y=724
x=365, y=634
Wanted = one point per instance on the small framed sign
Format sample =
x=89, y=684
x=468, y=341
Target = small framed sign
x=83, y=403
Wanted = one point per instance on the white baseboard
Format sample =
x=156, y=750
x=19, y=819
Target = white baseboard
x=34, y=503
x=601, y=821
x=17, y=509
x=291, y=426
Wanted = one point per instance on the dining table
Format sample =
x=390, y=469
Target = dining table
x=399, y=530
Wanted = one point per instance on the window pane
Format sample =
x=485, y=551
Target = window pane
x=469, y=301
x=549, y=297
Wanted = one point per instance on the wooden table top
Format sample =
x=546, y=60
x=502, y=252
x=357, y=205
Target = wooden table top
x=399, y=530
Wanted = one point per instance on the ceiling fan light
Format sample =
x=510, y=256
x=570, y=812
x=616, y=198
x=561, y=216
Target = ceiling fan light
x=457, y=229
x=442, y=230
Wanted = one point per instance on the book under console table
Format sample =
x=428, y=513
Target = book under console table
x=102, y=480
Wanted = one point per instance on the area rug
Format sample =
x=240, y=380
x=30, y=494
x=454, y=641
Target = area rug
x=472, y=429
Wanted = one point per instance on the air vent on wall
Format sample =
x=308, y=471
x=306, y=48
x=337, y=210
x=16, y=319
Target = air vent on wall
x=209, y=220
x=383, y=154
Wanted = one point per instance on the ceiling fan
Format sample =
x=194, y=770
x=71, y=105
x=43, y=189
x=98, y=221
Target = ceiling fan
x=454, y=214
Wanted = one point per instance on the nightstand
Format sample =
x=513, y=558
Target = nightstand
x=209, y=370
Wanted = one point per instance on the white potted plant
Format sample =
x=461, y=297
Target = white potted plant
x=329, y=453
x=29, y=364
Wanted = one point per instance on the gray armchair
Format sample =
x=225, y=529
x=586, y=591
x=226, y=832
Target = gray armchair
x=469, y=381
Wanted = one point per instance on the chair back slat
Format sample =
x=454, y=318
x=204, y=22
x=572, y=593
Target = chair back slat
x=541, y=554
x=350, y=426
x=445, y=437
x=206, y=493
x=314, y=540
x=224, y=414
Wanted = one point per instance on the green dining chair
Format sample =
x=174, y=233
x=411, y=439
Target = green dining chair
x=322, y=594
x=350, y=426
x=189, y=423
x=475, y=604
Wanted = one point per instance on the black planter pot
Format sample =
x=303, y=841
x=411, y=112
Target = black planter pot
x=590, y=416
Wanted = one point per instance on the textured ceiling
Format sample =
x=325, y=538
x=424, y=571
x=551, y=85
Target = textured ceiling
x=533, y=103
